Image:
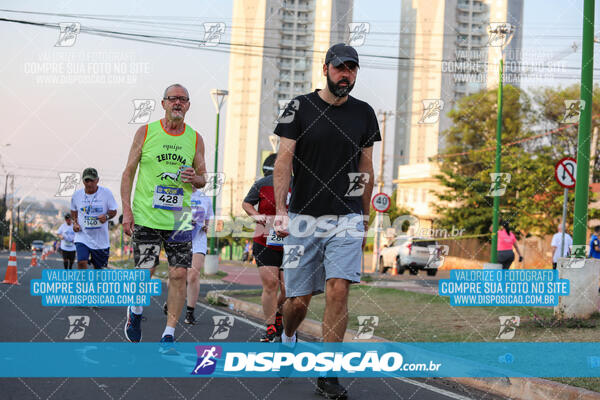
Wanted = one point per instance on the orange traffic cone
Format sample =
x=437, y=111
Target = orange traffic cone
x=34, y=262
x=394, y=270
x=11, y=270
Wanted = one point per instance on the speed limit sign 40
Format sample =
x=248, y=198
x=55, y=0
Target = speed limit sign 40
x=381, y=202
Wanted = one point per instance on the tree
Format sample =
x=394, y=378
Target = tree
x=532, y=201
x=550, y=103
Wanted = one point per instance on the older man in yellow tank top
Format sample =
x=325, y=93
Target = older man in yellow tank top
x=170, y=155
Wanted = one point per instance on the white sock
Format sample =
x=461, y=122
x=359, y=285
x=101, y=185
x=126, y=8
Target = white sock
x=286, y=339
x=137, y=310
x=169, y=331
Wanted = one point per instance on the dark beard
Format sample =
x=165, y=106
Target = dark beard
x=337, y=90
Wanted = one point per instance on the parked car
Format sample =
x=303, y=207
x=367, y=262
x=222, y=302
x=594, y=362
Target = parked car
x=37, y=245
x=414, y=254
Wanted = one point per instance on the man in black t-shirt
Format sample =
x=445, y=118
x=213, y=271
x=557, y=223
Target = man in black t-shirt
x=327, y=141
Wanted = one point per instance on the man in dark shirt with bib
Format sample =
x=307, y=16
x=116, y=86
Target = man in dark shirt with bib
x=327, y=141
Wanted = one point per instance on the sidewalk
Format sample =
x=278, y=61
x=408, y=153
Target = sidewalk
x=240, y=273
x=247, y=274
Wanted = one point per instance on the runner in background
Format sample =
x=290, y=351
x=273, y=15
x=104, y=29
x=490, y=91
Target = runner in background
x=557, y=245
x=67, y=244
x=267, y=250
x=91, y=208
x=506, y=242
x=595, y=243
x=202, y=213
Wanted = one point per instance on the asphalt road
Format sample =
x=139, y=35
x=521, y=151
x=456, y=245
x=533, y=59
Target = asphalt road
x=24, y=319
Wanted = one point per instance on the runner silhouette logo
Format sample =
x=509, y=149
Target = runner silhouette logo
x=223, y=325
x=77, y=325
x=207, y=359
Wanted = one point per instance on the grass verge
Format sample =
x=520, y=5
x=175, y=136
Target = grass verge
x=415, y=317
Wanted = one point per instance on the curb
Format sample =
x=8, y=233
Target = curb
x=513, y=388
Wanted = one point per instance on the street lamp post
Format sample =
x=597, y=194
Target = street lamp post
x=218, y=97
x=505, y=33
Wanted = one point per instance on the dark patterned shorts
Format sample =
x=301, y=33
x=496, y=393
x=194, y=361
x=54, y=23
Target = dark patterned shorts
x=147, y=243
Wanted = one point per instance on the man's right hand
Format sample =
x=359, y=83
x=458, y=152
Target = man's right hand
x=280, y=224
x=128, y=222
x=260, y=219
x=76, y=227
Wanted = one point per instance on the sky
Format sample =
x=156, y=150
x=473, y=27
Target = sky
x=58, y=127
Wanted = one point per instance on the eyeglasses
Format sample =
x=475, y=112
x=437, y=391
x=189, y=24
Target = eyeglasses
x=89, y=180
x=173, y=99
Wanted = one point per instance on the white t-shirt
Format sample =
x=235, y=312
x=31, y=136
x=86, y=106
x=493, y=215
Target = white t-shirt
x=556, y=242
x=67, y=242
x=201, y=208
x=89, y=207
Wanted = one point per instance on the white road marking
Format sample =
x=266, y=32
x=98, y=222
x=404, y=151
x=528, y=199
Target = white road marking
x=254, y=324
x=434, y=389
x=410, y=381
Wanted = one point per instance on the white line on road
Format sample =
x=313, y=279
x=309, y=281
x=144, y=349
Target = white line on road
x=254, y=324
x=435, y=389
x=406, y=380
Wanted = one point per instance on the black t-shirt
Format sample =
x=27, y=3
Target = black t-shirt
x=329, y=140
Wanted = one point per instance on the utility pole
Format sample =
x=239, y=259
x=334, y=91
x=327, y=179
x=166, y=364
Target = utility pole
x=380, y=185
x=4, y=210
x=583, y=138
x=582, y=273
x=212, y=260
x=231, y=215
x=12, y=213
x=505, y=32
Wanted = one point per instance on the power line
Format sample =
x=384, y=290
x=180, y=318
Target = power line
x=197, y=44
x=547, y=133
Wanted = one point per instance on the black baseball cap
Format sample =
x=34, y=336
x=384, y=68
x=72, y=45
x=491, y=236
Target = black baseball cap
x=341, y=53
x=89, y=173
x=67, y=215
x=269, y=164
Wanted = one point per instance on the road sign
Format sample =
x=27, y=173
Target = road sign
x=381, y=202
x=564, y=172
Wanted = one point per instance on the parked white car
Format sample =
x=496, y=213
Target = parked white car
x=414, y=254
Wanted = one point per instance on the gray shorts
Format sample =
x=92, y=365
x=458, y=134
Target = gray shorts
x=321, y=248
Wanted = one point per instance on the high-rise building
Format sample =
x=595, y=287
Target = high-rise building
x=446, y=54
x=277, y=53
